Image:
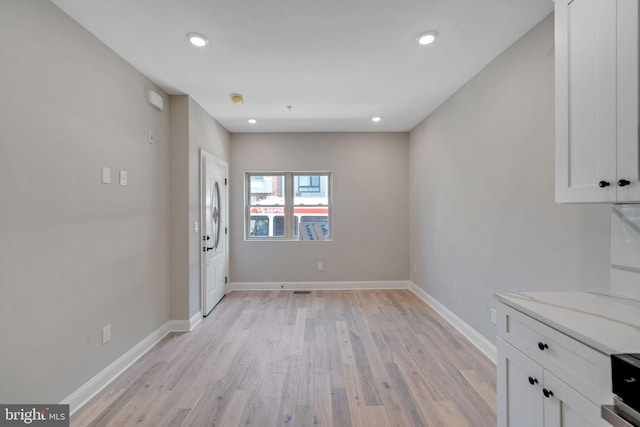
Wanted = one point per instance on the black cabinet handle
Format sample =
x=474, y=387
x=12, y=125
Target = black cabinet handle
x=533, y=381
x=623, y=183
x=547, y=393
x=603, y=184
x=542, y=346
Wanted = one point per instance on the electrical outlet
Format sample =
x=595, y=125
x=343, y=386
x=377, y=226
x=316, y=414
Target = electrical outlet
x=106, y=334
x=320, y=266
x=415, y=268
x=493, y=315
x=123, y=178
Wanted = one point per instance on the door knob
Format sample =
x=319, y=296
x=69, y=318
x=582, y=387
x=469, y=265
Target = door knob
x=533, y=381
x=623, y=183
x=547, y=393
x=542, y=346
x=603, y=184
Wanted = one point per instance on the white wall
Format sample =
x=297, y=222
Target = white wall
x=75, y=254
x=370, y=199
x=483, y=217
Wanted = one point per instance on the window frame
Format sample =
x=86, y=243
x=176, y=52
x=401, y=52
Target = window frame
x=289, y=199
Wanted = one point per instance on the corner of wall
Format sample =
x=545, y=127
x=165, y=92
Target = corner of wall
x=179, y=166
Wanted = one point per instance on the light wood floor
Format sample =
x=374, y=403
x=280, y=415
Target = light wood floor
x=328, y=358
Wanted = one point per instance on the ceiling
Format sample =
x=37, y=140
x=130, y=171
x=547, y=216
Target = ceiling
x=338, y=63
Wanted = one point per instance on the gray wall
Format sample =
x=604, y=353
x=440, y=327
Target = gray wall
x=207, y=134
x=370, y=199
x=482, y=211
x=192, y=129
x=180, y=230
x=75, y=254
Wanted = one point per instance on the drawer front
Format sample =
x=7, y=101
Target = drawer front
x=581, y=367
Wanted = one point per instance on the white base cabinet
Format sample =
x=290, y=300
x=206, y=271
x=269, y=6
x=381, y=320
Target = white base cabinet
x=546, y=378
x=519, y=388
x=568, y=408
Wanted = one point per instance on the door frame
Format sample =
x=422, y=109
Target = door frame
x=202, y=206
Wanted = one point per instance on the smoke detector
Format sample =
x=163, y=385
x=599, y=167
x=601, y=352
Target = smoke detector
x=237, y=99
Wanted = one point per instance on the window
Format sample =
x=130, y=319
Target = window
x=288, y=206
x=307, y=184
x=259, y=225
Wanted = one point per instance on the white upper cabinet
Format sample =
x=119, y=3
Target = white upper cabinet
x=597, y=113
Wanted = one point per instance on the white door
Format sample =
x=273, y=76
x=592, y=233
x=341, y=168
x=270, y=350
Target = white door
x=214, y=230
x=519, y=388
x=628, y=142
x=585, y=37
x=565, y=407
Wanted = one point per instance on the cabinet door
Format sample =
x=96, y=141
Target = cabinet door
x=519, y=388
x=585, y=37
x=565, y=407
x=628, y=97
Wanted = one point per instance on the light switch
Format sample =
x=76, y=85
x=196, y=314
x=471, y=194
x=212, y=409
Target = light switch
x=152, y=138
x=195, y=227
x=123, y=178
x=106, y=334
x=106, y=175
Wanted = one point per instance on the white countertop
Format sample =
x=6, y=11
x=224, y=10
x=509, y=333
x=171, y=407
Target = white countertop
x=608, y=324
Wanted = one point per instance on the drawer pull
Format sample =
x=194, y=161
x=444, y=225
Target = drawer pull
x=542, y=346
x=533, y=381
x=547, y=393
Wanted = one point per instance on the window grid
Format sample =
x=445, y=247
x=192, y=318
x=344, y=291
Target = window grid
x=279, y=204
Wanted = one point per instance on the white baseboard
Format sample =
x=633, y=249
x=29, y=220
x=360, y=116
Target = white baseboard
x=92, y=387
x=85, y=393
x=477, y=339
x=318, y=286
x=195, y=321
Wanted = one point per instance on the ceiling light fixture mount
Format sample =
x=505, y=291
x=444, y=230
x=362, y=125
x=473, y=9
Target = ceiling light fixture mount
x=197, y=39
x=427, y=38
x=237, y=99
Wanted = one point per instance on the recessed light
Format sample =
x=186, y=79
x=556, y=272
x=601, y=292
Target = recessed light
x=252, y=121
x=197, y=39
x=427, y=38
x=376, y=119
